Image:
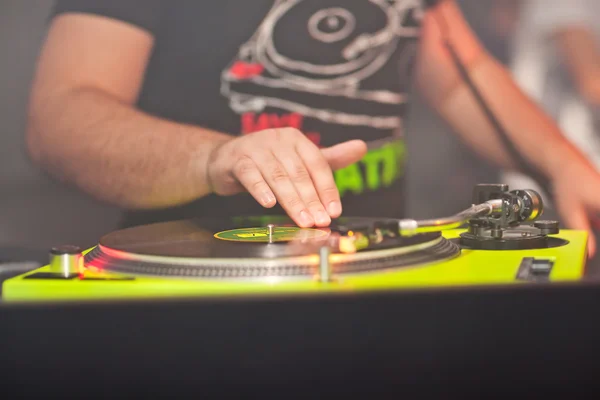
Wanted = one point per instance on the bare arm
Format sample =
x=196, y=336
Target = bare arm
x=581, y=54
x=576, y=184
x=84, y=129
x=534, y=133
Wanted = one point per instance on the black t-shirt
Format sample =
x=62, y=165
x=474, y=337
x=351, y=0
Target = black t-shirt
x=334, y=69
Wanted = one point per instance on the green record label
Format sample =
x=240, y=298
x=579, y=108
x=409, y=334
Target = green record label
x=261, y=235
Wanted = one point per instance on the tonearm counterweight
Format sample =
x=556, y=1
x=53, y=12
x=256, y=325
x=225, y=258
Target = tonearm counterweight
x=498, y=219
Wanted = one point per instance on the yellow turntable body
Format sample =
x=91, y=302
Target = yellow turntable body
x=470, y=268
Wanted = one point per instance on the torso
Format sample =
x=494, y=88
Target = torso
x=334, y=69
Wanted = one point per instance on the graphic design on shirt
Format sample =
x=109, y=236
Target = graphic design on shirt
x=252, y=122
x=379, y=168
x=321, y=60
x=326, y=67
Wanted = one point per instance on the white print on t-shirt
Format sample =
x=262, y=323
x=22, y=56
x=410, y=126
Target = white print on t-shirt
x=266, y=74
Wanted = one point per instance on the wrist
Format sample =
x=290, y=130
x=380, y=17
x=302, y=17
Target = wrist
x=210, y=159
x=564, y=158
x=590, y=91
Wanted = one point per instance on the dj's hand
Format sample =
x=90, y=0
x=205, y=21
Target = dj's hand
x=577, y=197
x=283, y=165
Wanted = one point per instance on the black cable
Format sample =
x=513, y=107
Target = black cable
x=523, y=165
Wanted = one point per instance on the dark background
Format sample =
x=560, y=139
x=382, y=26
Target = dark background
x=37, y=212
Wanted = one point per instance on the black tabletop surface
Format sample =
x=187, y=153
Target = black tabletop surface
x=448, y=343
x=504, y=341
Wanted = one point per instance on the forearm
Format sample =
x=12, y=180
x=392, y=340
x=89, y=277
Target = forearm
x=580, y=53
x=117, y=153
x=534, y=134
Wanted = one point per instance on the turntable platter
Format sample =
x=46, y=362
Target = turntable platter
x=503, y=243
x=243, y=247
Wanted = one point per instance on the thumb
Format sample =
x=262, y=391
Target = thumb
x=575, y=216
x=344, y=154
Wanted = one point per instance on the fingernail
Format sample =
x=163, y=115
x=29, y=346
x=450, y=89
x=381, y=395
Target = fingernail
x=267, y=198
x=322, y=218
x=334, y=208
x=306, y=219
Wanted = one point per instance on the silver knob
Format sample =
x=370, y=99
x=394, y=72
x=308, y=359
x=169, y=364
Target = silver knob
x=270, y=231
x=325, y=269
x=65, y=260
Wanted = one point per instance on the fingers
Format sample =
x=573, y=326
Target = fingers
x=267, y=180
x=589, y=188
x=284, y=166
x=575, y=216
x=301, y=175
x=578, y=198
x=247, y=173
x=279, y=180
x=345, y=154
x=322, y=178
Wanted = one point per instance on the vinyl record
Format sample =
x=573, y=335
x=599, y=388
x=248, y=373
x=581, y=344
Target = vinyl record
x=243, y=247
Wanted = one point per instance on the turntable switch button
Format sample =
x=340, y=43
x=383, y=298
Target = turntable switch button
x=541, y=267
x=65, y=260
x=547, y=227
x=535, y=269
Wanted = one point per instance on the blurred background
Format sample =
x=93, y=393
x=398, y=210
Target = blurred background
x=37, y=212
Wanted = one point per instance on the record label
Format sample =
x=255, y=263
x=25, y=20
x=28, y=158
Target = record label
x=261, y=234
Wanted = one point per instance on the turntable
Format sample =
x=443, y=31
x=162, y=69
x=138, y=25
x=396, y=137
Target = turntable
x=504, y=242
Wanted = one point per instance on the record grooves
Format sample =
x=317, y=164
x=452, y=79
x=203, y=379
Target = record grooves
x=190, y=249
